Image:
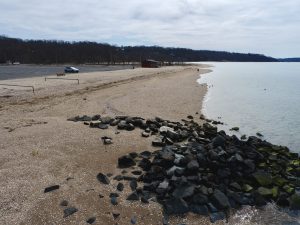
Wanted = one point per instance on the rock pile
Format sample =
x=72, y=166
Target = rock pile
x=205, y=171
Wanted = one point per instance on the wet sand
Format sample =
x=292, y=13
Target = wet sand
x=39, y=147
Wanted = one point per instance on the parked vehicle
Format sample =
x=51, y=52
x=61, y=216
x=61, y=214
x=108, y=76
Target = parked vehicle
x=71, y=69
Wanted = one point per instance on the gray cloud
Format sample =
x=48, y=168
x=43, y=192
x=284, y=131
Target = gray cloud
x=263, y=26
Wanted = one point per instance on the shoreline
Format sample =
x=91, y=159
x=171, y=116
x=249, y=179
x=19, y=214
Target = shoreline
x=39, y=147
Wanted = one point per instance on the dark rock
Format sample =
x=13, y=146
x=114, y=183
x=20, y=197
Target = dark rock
x=96, y=117
x=69, y=211
x=175, y=170
x=106, y=140
x=259, y=134
x=162, y=187
x=121, y=117
x=145, y=164
x=220, y=200
x=145, y=134
x=136, y=172
x=133, y=155
x=144, y=200
x=145, y=154
x=158, y=142
x=283, y=200
x=235, y=128
x=199, y=209
x=174, y=136
x=265, y=192
x=184, y=191
x=235, y=186
x=102, y=178
x=118, y=177
x=250, y=165
x=167, y=157
x=175, y=206
x=133, y=197
x=113, y=195
x=101, y=196
x=217, y=216
x=193, y=166
x=120, y=187
x=115, y=215
x=212, y=208
x=224, y=173
x=190, y=117
x=129, y=178
x=51, y=188
x=106, y=120
x=114, y=122
x=130, y=127
x=103, y=126
x=262, y=178
x=238, y=157
x=122, y=125
x=259, y=200
x=126, y=162
x=219, y=141
x=91, y=220
x=133, y=185
x=64, y=203
x=114, y=200
x=133, y=220
x=243, y=137
x=138, y=123
x=165, y=220
x=295, y=201
x=200, y=199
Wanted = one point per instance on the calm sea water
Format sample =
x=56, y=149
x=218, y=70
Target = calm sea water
x=257, y=97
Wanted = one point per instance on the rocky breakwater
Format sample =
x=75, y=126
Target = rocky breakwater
x=205, y=171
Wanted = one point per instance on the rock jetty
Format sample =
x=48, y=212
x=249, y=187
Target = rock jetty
x=199, y=169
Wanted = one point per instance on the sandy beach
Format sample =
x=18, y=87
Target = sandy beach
x=39, y=147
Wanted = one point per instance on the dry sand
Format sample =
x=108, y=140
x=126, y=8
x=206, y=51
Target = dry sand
x=39, y=147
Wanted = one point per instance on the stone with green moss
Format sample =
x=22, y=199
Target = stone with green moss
x=288, y=189
x=247, y=188
x=262, y=178
x=275, y=192
x=279, y=181
x=266, y=192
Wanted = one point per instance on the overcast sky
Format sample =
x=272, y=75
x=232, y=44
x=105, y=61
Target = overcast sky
x=271, y=27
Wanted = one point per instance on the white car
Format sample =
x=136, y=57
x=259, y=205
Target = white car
x=70, y=69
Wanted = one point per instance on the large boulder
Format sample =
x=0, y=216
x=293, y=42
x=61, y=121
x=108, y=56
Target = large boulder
x=220, y=200
x=262, y=178
x=219, y=141
x=175, y=206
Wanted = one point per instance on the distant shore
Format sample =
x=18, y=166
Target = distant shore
x=39, y=147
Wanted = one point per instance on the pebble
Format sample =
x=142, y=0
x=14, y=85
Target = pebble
x=91, y=220
x=51, y=188
x=69, y=211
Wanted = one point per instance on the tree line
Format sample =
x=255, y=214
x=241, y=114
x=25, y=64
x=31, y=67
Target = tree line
x=62, y=52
